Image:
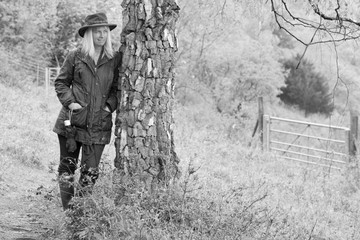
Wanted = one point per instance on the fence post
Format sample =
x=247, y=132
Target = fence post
x=266, y=132
x=353, y=134
x=46, y=81
x=261, y=119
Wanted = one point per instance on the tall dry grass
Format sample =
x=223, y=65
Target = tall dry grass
x=229, y=189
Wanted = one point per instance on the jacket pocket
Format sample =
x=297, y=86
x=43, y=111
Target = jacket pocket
x=106, y=120
x=79, y=117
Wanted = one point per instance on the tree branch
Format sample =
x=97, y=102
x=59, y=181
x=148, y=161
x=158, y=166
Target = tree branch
x=339, y=27
x=338, y=17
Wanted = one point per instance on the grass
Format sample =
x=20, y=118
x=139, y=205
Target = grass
x=230, y=189
x=25, y=124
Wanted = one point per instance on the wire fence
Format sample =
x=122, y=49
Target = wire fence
x=50, y=76
x=37, y=68
x=32, y=65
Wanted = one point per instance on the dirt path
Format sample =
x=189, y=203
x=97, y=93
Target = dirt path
x=18, y=220
x=26, y=199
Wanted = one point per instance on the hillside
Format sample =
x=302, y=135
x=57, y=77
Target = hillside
x=229, y=188
x=261, y=195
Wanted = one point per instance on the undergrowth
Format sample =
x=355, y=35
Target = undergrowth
x=302, y=204
x=180, y=211
x=231, y=189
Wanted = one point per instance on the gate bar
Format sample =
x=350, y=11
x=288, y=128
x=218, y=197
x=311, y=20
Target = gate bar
x=309, y=123
x=308, y=155
x=307, y=136
x=308, y=148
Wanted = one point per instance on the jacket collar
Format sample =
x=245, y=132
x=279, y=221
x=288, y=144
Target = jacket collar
x=88, y=60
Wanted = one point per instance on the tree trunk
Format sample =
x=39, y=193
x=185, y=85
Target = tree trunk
x=144, y=122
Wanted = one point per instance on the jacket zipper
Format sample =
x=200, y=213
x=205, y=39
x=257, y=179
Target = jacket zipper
x=91, y=88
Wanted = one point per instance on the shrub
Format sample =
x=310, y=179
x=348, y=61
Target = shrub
x=305, y=87
x=176, y=212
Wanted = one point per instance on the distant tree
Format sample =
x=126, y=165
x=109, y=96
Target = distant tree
x=61, y=29
x=16, y=23
x=69, y=17
x=305, y=87
x=47, y=30
x=229, y=60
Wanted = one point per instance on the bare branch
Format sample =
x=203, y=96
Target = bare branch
x=339, y=18
x=307, y=46
x=336, y=27
x=339, y=27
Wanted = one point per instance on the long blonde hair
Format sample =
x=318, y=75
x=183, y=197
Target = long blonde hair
x=88, y=45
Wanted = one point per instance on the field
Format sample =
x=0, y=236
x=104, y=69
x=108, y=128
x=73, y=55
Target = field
x=229, y=188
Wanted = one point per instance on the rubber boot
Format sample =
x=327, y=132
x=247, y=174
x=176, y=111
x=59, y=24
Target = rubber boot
x=87, y=181
x=66, y=192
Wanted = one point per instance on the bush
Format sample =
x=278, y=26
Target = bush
x=306, y=88
x=177, y=212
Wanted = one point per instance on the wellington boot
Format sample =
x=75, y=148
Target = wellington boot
x=66, y=194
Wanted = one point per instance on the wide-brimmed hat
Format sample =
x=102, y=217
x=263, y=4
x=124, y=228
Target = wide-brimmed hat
x=95, y=20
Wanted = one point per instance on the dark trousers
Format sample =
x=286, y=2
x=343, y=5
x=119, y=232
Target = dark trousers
x=90, y=159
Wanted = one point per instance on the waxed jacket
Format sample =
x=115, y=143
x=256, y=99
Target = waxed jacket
x=93, y=87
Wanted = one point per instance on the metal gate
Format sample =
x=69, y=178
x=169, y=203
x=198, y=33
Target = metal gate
x=311, y=143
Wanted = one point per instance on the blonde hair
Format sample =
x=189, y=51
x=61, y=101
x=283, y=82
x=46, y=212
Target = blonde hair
x=88, y=45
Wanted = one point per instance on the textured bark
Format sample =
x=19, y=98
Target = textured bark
x=144, y=121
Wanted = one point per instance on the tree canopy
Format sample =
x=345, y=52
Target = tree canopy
x=230, y=51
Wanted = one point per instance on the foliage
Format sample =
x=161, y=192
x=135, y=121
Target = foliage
x=229, y=191
x=174, y=212
x=285, y=40
x=232, y=58
x=329, y=21
x=12, y=22
x=60, y=26
x=291, y=204
x=47, y=29
x=238, y=192
x=60, y=23
x=305, y=87
x=60, y=29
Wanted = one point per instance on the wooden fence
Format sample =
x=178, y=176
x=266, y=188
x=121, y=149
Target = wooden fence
x=309, y=143
x=36, y=68
x=50, y=76
x=32, y=64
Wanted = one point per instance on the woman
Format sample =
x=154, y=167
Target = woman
x=86, y=87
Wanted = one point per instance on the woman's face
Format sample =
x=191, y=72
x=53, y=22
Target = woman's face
x=100, y=35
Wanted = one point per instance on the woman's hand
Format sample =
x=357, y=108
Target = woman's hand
x=74, y=106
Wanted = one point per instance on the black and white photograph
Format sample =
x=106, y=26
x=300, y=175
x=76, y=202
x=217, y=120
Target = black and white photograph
x=179, y=119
